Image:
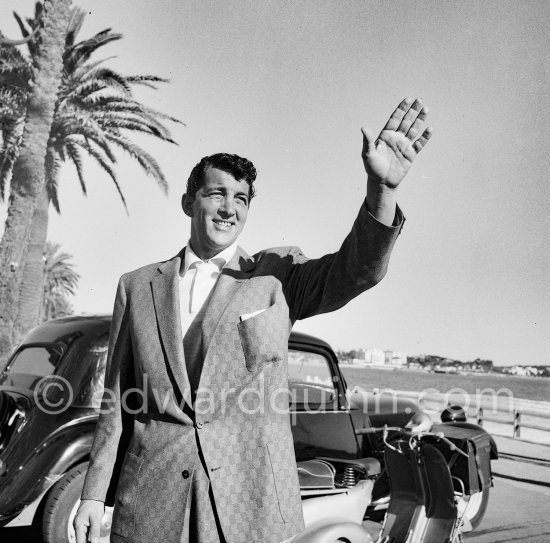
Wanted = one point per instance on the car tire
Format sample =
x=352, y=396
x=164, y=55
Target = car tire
x=475, y=507
x=60, y=506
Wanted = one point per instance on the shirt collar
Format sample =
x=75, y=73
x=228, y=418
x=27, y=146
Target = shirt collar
x=221, y=259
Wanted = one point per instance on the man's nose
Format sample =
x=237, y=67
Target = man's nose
x=227, y=209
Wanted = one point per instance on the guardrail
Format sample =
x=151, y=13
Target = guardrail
x=516, y=420
x=520, y=414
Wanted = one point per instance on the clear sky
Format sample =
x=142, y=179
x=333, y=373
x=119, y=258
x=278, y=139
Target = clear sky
x=288, y=84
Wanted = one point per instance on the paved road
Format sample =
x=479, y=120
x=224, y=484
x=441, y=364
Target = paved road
x=517, y=511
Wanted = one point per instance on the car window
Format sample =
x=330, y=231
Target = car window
x=36, y=360
x=83, y=367
x=310, y=381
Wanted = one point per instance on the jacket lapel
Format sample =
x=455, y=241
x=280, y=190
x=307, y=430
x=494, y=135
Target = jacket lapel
x=165, y=287
x=237, y=270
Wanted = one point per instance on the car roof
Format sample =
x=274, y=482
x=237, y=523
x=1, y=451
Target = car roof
x=56, y=329
x=300, y=337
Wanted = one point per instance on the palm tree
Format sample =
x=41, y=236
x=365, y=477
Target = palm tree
x=95, y=109
x=28, y=174
x=60, y=281
x=15, y=74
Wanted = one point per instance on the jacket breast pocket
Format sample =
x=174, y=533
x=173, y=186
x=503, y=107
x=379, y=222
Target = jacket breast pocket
x=264, y=337
x=126, y=496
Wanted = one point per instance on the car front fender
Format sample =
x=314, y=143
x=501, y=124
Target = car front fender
x=68, y=445
x=331, y=530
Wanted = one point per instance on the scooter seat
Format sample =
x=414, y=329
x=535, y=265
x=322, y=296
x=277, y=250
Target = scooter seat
x=372, y=465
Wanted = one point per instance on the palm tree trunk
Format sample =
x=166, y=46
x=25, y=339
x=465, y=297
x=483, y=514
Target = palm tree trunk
x=29, y=173
x=32, y=282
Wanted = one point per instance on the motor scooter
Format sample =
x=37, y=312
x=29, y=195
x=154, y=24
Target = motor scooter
x=432, y=470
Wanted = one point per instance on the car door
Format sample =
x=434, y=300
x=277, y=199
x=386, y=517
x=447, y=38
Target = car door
x=320, y=417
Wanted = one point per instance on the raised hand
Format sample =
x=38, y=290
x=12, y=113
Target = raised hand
x=388, y=158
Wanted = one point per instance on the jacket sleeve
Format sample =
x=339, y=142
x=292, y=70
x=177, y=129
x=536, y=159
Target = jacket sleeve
x=115, y=425
x=314, y=286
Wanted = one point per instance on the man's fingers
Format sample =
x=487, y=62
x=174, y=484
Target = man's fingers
x=416, y=112
x=95, y=529
x=368, y=141
x=397, y=116
x=413, y=130
x=423, y=139
x=87, y=530
x=80, y=531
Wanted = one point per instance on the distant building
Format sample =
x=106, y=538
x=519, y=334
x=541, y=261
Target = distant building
x=393, y=358
x=524, y=371
x=375, y=357
x=378, y=357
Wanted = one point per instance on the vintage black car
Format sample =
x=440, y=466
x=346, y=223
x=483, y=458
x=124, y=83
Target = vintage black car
x=50, y=393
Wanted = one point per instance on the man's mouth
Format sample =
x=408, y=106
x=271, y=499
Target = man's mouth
x=223, y=225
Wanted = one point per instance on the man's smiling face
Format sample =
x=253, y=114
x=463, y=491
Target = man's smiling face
x=218, y=212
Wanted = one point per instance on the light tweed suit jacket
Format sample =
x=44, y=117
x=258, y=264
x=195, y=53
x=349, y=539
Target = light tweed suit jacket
x=143, y=456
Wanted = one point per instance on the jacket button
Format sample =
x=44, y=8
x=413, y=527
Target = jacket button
x=199, y=425
x=185, y=474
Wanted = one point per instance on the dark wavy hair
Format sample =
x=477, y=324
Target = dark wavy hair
x=240, y=168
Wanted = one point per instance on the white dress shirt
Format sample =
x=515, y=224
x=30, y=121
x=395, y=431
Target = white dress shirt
x=197, y=282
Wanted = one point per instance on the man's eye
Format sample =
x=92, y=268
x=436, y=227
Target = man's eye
x=243, y=200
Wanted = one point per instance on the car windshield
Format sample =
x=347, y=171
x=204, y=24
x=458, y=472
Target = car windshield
x=310, y=380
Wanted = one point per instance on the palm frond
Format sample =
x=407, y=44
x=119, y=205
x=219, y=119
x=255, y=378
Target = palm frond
x=22, y=27
x=32, y=23
x=123, y=103
x=81, y=71
x=145, y=160
x=16, y=71
x=52, y=167
x=12, y=135
x=146, y=80
x=130, y=121
x=78, y=54
x=70, y=122
x=75, y=25
x=76, y=159
x=103, y=162
x=113, y=79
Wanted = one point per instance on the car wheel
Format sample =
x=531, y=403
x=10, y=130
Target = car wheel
x=61, y=505
x=473, y=507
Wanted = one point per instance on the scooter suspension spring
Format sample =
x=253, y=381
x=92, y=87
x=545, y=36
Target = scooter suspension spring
x=349, y=477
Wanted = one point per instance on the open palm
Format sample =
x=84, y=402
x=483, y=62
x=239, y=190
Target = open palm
x=388, y=158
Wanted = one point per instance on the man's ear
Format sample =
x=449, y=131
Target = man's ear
x=187, y=205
